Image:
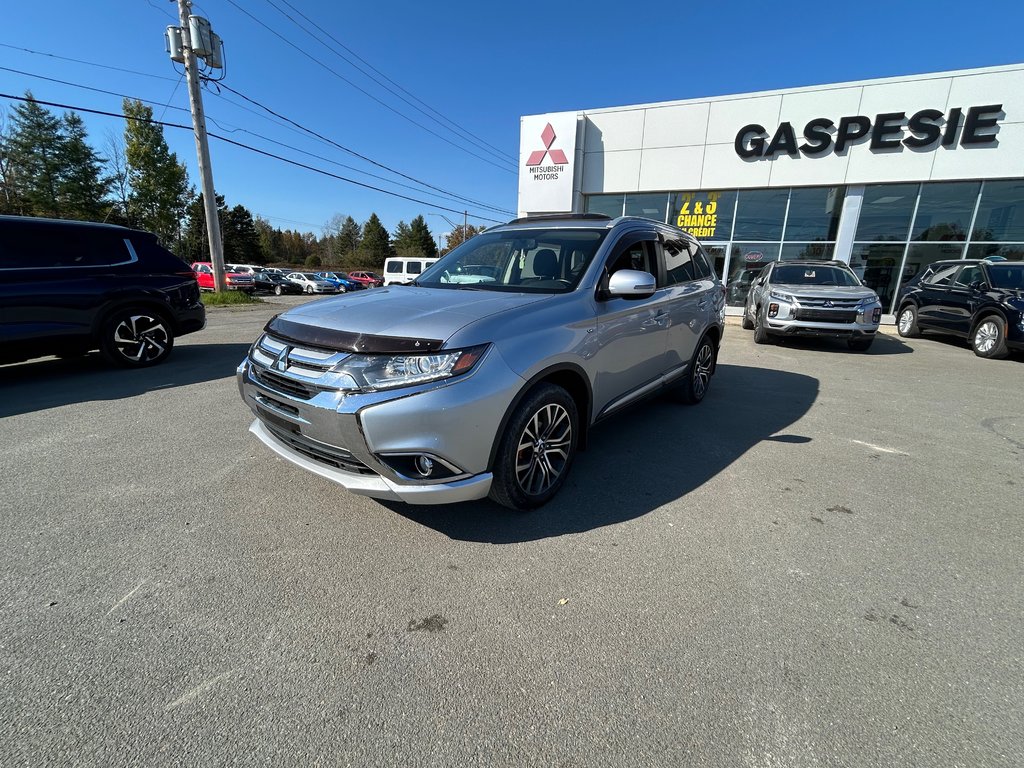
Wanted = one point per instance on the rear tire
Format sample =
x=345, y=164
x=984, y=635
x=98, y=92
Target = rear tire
x=698, y=377
x=989, y=338
x=277, y=290
x=536, y=450
x=136, y=338
x=906, y=323
x=309, y=289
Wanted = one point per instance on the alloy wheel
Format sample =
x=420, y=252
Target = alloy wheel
x=140, y=338
x=986, y=336
x=702, y=371
x=543, y=450
x=906, y=320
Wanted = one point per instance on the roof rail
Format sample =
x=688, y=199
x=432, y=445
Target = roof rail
x=560, y=217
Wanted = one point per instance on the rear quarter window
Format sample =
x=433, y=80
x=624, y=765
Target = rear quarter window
x=32, y=245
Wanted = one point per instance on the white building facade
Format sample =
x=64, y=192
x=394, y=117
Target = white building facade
x=887, y=175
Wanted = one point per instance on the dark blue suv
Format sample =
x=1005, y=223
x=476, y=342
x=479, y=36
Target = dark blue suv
x=67, y=288
x=980, y=300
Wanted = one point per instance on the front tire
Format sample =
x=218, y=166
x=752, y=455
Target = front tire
x=277, y=290
x=906, y=323
x=136, y=338
x=309, y=289
x=536, y=450
x=698, y=377
x=761, y=335
x=989, y=338
x=745, y=321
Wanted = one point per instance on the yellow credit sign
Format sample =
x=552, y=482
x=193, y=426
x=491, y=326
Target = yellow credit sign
x=698, y=213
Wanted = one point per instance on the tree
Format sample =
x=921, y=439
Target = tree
x=195, y=242
x=312, y=261
x=34, y=152
x=269, y=241
x=350, y=235
x=159, y=183
x=376, y=244
x=241, y=240
x=458, y=236
x=117, y=173
x=82, y=189
x=422, y=238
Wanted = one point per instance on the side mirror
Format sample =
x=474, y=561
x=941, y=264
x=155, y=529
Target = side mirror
x=631, y=284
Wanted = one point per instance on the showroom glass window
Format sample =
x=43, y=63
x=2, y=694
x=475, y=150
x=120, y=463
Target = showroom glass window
x=653, y=206
x=814, y=214
x=609, y=205
x=999, y=223
x=886, y=211
x=760, y=214
x=705, y=215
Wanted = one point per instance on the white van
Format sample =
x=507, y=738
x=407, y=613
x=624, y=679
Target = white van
x=404, y=269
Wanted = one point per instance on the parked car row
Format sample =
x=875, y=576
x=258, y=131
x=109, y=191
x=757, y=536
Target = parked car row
x=255, y=279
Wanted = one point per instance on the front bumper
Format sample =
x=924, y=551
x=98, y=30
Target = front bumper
x=350, y=437
x=377, y=486
x=793, y=319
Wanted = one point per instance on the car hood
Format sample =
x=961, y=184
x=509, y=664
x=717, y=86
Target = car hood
x=408, y=311
x=825, y=291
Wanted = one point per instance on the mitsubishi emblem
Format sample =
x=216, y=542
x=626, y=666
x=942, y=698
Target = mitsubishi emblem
x=281, y=362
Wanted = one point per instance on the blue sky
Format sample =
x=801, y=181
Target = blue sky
x=480, y=65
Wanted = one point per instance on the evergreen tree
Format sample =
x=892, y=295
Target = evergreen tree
x=241, y=240
x=421, y=238
x=82, y=189
x=35, y=153
x=402, y=241
x=350, y=235
x=195, y=242
x=159, y=183
x=376, y=245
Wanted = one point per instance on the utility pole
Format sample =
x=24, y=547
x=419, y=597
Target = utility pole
x=195, y=98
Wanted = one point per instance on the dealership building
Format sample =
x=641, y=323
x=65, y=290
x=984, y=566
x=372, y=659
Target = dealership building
x=887, y=175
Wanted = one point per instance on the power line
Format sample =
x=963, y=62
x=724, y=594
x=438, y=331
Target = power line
x=365, y=92
x=234, y=129
x=297, y=126
x=247, y=147
x=354, y=153
x=452, y=125
x=87, y=63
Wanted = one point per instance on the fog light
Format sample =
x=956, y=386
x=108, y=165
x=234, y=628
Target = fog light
x=773, y=310
x=876, y=316
x=424, y=465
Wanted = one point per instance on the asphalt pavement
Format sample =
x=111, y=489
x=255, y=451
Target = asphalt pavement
x=821, y=565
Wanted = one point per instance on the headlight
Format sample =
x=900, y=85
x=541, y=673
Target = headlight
x=870, y=301
x=390, y=371
x=780, y=296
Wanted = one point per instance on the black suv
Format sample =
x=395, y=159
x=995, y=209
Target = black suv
x=979, y=300
x=67, y=288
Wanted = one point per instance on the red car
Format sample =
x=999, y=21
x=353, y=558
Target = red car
x=368, y=279
x=237, y=281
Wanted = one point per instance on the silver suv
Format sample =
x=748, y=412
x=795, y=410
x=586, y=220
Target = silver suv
x=447, y=390
x=812, y=298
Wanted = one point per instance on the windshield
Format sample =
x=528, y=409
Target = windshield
x=328, y=275
x=520, y=260
x=812, y=274
x=1007, y=275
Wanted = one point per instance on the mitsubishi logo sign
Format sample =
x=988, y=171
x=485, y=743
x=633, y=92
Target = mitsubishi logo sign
x=547, y=156
x=548, y=136
x=281, y=361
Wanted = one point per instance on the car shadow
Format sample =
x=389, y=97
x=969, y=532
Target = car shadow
x=642, y=459
x=884, y=344
x=952, y=340
x=50, y=383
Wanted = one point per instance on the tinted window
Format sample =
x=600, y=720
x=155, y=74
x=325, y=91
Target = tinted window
x=942, y=275
x=968, y=275
x=703, y=264
x=944, y=211
x=1007, y=275
x=634, y=256
x=609, y=205
x=394, y=266
x=1001, y=213
x=414, y=267
x=31, y=245
x=679, y=262
x=647, y=206
x=811, y=274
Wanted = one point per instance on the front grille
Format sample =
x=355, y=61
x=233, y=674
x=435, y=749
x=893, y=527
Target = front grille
x=824, y=303
x=825, y=315
x=281, y=383
x=331, y=455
